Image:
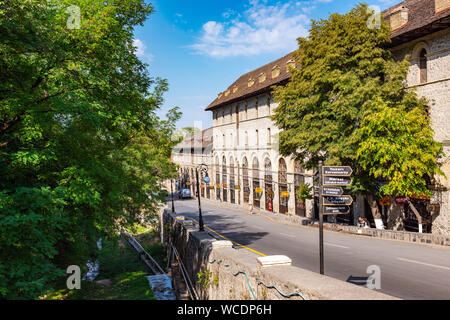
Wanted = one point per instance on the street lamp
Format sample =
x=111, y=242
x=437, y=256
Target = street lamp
x=202, y=168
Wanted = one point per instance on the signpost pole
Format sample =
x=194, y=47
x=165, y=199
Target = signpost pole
x=321, y=220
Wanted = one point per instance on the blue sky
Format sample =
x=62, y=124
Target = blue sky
x=201, y=47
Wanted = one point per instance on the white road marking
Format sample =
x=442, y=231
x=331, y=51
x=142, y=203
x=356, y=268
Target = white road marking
x=423, y=263
x=336, y=245
x=287, y=235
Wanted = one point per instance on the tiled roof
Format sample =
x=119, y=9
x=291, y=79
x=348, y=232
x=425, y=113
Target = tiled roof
x=422, y=20
x=242, y=84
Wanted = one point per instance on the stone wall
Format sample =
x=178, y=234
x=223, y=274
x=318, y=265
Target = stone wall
x=238, y=274
x=437, y=91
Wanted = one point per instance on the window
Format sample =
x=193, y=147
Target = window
x=246, y=138
x=423, y=66
x=269, y=136
x=223, y=141
x=257, y=137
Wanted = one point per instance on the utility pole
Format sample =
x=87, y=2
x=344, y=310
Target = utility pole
x=322, y=271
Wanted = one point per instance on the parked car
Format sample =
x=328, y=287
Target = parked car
x=186, y=194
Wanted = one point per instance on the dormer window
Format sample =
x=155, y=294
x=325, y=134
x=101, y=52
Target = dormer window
x=251, y=82
x=235, y=89
x=290, y=65
x=441, y=6
x=219, y=95
x=276, y=72
x=262, y=77
x=227, y=93
x=398, y=18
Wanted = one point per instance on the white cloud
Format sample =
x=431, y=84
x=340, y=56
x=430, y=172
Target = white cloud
x=261, y=28
x=141, y=50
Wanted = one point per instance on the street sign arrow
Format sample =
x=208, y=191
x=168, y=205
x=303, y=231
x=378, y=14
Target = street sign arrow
x=336, y=181
x=332, y=191
x=336, y=210
x=337, y=200
x=337, y=171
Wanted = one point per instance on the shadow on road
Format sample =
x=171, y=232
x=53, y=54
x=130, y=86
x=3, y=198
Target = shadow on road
x=360, y=281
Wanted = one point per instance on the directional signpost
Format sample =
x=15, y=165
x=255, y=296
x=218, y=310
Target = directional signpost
x=332, y=191
x=332, y=200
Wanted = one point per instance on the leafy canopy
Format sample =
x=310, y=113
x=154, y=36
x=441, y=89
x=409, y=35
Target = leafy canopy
x=81, y=147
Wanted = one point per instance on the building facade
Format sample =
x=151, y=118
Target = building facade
x=243, y=159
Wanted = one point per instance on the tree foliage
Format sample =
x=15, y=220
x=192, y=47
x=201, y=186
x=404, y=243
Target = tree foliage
x=347, y=104
x=81, y=147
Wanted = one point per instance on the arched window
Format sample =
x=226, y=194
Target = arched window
x=217, y=167
x=423, y=66
x=268, y=187
x=282, y=186
x=232, y=181
x=224, y=179
x=299, y=179
x=245, y=180
x=256, y=184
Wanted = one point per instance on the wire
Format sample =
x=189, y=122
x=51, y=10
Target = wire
x=259, y=282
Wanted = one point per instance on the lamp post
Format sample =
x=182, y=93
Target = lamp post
x=202, y=168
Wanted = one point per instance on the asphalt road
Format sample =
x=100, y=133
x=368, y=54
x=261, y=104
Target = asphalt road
x=408, y=271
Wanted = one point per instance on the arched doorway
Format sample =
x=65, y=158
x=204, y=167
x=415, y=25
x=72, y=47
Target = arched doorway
x=217, y=168
x=245, y=180
x=256, y=184
x=423, y=66
x=232, y=182
x=299, y=179
x=268, y=184
x=224, y=180
x=282, y=186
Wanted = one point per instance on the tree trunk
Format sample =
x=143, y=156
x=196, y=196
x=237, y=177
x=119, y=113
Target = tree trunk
x=417, y=214
x=375, y=211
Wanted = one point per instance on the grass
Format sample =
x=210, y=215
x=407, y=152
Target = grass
x=121, y=265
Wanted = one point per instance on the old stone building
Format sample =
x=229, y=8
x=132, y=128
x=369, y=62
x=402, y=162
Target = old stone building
x=246, y=167
x=191, y=153
x=421, y=30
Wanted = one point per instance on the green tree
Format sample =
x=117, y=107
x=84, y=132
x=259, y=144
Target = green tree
x=81, y=147
x=346, y=84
